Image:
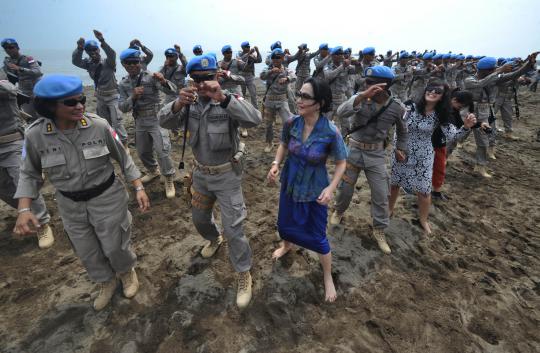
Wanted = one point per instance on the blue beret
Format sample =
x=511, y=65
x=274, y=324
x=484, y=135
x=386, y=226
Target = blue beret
x=469, y=57
x=404, y=55
x=446, y=56
x=9, y=41
x=460, y=57
x=379, y=71
x=197, y=47
x=245, y=44
x=275, y=45
x=226, y=48
x=323, y=46
x=437, y=56
x=427, y=56
x=368, y=51
x=453, y=56
x=336, y=50
x=277, y=52
x=500, y=60
x=211, y=53
x=90, y=43
x=347, y=51
x=204, y=62
x=58, y=86
x=130, y=54
x=171, y=51
x=419, y=56
x=487, y=63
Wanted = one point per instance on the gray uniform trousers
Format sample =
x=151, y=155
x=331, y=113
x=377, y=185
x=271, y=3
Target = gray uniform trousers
x=373, y=164
x=100, y=231
x=483, y=139
x=226, y=188
x=107, y=108
x=271, y=108
x=10, y=157
x=251, y=88
x=507, y=112
x=300, y=81
x=342, y=122
x=150, y=137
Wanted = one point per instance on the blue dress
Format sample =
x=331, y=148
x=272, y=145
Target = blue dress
x=301, y=220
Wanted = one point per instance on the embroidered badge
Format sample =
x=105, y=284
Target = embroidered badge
x=83, y=122
x=369, y=72
x=204, y=63
x=49, y=127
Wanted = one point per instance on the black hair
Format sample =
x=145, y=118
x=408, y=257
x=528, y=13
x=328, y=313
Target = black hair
x=465, y=98
x=442, y=109
x=45, y=107
x=321, y=93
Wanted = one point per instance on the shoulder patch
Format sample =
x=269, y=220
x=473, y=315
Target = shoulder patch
x=30, y=59
x=35, y=123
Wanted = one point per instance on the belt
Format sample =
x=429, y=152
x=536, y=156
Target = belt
x=281, y=97
x=14, y=136
x=366, y=146
x=109, y=92
x=144, y=112
x=213, y=169
x=88, y=194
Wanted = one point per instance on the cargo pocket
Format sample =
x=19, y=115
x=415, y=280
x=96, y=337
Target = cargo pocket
x=218, y=134
x=96, y=158
x=239, y=209
x=125, y=231
x=54, y=164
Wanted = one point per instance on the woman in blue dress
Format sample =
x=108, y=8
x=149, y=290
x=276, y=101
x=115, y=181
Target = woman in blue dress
x=307, y=140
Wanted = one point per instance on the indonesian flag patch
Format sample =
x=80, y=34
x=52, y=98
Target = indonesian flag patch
x=114, y=134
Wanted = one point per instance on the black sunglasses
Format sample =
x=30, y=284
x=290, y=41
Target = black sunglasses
x=91, y=49
x=131, y=62
x=171, y=56
x=72, y=102
x=202, y=78
x=10, y=47
x=304, y=96
x=436, y=90
x=227, y=52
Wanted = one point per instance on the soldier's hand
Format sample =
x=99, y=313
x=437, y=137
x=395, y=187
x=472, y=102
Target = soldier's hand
x=135, y=42
x=99, y=35
x=177, y=48
x=24, y=220
x=256, y=48
x=80, y=43
x=187, y=96
x=212, y=90
x=283, y=80
x=400, y=155
x=12, y=66
x=469, y=121
x=273, y=174
x=373, y=90
x=346, y=62
x=138, y=92
x=252, y=50
x=143, y=200
x=159, y=76
x=532, y=57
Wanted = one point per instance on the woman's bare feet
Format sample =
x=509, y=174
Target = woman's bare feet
x=282, y=250
x=426, y=227
x=330, y=294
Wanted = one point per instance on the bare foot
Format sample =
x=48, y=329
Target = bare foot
x=329, y=290
x=425, y=225
x=282, y=250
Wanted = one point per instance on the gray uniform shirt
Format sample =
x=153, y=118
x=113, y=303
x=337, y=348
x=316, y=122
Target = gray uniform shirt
x=338, y=77
x=320, y=64
x=29, y=73
x=106, y=82
x=9, y=111
x=213, y=130
x=76, y=162
x=176, y=75
x=375, y=131
x=149, y=101
x=272, y=78
x=303, y=68
x=233, y=79
x=249, y=68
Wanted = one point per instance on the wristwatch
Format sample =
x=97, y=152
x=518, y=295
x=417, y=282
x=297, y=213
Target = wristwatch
x=139, y=188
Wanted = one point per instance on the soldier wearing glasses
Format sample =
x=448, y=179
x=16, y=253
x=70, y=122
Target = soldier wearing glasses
x=102, y=72
x=372, y=113
x=213, y=117
x=139, y=93
x=75, y=149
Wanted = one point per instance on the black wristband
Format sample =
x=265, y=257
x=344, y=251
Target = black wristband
x=227, y=100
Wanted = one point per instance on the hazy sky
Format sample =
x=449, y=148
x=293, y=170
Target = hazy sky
x=486, y=27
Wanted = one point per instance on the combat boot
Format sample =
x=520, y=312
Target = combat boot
x=491, y=152
x=481, y=169
x=509, y=135
x=336, y=218
x=170, y=191
x=243, y=295
x=150, y=175
x=268, y=148
x=106, y=292
x=211, y=247
x=243, y=132
x=130, y=283
x=378, y=234
x=45, y=236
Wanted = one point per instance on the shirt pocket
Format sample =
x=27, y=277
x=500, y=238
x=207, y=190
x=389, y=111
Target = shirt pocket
x=194, y=123
x=55, y=165
x=96, y=158
x=218, y=133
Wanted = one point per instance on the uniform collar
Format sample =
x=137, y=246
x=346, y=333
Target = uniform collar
x=50, y=128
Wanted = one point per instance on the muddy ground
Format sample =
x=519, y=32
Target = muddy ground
x=473, y=286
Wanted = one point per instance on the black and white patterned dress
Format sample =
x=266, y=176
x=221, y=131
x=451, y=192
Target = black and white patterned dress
x=415, y=173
